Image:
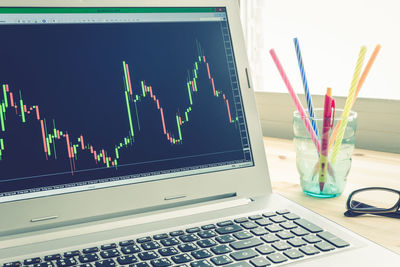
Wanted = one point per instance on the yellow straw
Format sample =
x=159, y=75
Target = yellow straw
x=347, y=106
x=360, y=83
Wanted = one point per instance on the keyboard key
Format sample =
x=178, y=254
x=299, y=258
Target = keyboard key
x=144, y=239
x=44, y=264
x=241, y=220
x=243, y=235
x=312, y=239
x=32, y=261
x=291, y=216
x=265, y=249
x=277, y=258
x=170, y=242
x=288, y=225
x=129, y=259
x=201, y=263
x=150, y=245
x=221, y=249
x=147, y=255
x=260, y=262
x=208, y=227
x=163, y=262
x=177, y=233
x=189, y=238
x=244, y=254
x=206, y=234
x=193, y=230
x=269, y=238
x=293, y=254
x=160, y=236
x=283, y=211
x=225, y=239
x=140, y=264
x=308, y=225
x=253, y=242
x=90, y=250
x=221, y=260
x=52, y=257
x=224, y=223
x=309, y=250
x=130, y=249
x=201, y=254
x=181, y=258
x=67, y=262
x=105, y=263
x=126, y=243
x=168, y=251
x=259, y=231
x=278, y=219
x=334, y=240
x=84, y=258
x=12, y=264
x=299, y=231
x=255, y=217
x=70, y=254
x=285, y=235
x=324, y=246
x=281, y=245
x=187, y=247
x=112, y=253
x=297, y=242
x=239, y=264
x=229, y=229
x=108, y=246
x=86, y=265
x=269, y=214
x=249, y=225
x=274, y=228
x=206, y=243
x=264, y=222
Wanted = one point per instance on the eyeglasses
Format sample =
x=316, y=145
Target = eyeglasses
x=374, y=200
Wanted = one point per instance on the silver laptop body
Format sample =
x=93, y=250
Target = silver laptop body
x=129, y=119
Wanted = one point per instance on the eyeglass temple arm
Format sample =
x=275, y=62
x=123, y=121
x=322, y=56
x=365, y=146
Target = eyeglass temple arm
x=350, y=213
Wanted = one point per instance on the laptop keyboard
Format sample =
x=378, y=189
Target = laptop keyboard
x=259, y=240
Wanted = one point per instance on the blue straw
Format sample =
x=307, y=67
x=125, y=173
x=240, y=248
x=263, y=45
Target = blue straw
x=305, y=85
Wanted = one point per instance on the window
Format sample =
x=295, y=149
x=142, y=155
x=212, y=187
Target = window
x=330, y=35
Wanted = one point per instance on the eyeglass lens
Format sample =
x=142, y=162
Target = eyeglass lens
x=377, y=198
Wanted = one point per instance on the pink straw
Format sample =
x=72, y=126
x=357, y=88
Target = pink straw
x=296, y=101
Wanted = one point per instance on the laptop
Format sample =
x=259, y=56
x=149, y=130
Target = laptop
x=130, y=136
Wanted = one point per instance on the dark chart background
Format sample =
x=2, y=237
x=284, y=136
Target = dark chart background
x=75, y=74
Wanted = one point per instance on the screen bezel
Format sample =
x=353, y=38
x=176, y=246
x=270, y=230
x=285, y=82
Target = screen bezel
x=108, y=202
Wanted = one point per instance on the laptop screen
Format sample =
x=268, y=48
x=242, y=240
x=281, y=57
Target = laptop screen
x=99, y=97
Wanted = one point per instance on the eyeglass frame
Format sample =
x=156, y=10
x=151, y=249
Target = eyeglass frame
x=393, y=212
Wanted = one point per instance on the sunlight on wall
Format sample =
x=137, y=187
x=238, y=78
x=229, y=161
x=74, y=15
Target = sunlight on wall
x=330, y=34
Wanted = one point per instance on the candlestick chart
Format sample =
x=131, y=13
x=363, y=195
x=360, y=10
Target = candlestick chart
x=122, y=116
x=51, y=134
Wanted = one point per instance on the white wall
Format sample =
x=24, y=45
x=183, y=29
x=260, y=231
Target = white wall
x=331, y=33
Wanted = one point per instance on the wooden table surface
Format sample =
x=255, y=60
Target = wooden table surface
x=369, y=168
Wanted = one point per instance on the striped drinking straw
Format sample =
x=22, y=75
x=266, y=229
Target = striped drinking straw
x=359, y=85
x=348, y=105
x=296, y=101
x=305, y=85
